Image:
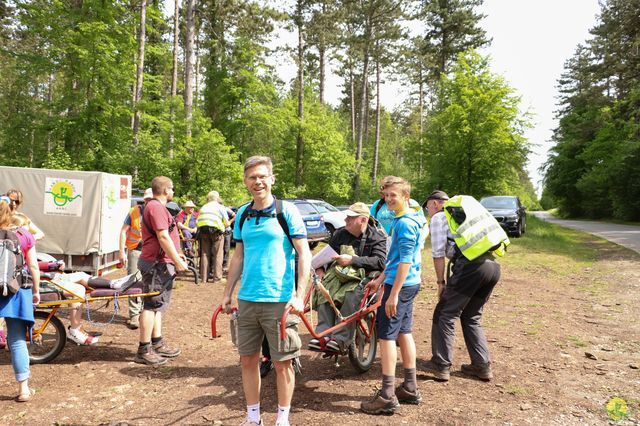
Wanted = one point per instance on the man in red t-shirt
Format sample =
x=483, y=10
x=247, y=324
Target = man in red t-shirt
x=160, y=258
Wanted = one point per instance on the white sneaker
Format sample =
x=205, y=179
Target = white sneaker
x=80, y=337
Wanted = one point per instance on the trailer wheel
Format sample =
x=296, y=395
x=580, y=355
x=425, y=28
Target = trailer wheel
x=48, y=341
x=362, y=351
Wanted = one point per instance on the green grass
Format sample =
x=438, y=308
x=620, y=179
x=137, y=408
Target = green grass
x=577, y=341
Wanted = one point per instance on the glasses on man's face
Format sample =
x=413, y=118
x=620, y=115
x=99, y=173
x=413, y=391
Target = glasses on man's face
x=16, y=202
x=261, y=178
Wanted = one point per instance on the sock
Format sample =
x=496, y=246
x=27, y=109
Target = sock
x=283, y=416
x=99, y=282
x=253, y=412
x=410, y=382
x=388, y=386
x=156, y=340
x=143, y=347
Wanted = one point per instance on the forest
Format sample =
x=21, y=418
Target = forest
x=187, y=89
x=594, y=168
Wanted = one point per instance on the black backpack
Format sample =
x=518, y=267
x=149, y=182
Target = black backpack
x=11, y=264
x=279, y=216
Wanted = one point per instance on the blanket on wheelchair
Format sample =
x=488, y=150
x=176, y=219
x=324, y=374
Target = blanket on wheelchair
x=339, y=280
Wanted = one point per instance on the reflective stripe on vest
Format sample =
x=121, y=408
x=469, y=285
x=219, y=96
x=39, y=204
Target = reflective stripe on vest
x=479, y=233
x=134, y=233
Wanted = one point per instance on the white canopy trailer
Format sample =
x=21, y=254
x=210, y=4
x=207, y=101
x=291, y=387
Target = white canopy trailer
x=80, y=213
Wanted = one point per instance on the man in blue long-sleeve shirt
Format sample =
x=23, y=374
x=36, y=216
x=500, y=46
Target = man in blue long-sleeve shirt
x=401, y=279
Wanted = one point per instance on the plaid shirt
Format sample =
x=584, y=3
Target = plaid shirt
x=439, y=229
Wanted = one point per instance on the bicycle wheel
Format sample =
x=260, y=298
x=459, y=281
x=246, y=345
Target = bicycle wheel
x=48, y=340
x=362, y=351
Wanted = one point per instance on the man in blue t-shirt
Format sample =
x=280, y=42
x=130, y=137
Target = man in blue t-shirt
x=264, y=262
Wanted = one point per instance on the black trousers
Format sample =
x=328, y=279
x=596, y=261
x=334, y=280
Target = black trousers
x=467, y=291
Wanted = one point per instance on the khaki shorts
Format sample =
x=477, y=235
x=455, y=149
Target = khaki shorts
x=257, y=319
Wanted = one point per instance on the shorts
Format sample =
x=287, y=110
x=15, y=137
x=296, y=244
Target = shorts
x=161, y=280
x=402, y=322
x=257, y=319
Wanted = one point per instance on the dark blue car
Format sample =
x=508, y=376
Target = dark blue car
x=313, y=221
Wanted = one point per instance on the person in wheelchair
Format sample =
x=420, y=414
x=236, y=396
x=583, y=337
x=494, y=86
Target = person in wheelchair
x=187, y=227
x=74, y=285
x=363, y=251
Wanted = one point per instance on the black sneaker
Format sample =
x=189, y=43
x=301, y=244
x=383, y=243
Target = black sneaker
x=481, y=371
x=266, y=365
x=406, y=397
x=378, y=405
x=440, y=372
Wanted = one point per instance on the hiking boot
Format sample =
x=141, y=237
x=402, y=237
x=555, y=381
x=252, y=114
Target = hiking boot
x=166, y=351
x=318, y=344
x=266, y=365
x=134, y=322
x=79, y=337
x=150, y=357
x=481, y=371
x=378, y=405
x=406, y=397
x=440, y=372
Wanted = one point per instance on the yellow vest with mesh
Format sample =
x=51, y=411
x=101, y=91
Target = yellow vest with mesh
x=210, y=216
x=479, y=232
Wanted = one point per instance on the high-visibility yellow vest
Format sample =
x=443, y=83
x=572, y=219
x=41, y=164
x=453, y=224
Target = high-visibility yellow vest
x=210, y=215
x=474, y=229
x=134, y=233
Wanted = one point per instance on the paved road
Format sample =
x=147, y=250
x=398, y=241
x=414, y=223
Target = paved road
x=625, y=235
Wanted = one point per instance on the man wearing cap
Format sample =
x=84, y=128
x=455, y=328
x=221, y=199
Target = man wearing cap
x=462, y=296
x=370, y=247
x=131, y=238
x=187, y=226
x=212, y=221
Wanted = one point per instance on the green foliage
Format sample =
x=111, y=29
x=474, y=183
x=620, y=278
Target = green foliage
x=474, y=139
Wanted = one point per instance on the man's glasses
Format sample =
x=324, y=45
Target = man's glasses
x=16, y=202
x=263, y=178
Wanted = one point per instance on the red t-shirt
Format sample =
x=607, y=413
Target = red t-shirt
x=157, y=217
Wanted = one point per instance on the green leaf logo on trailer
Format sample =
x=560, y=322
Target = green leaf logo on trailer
x=63, y=197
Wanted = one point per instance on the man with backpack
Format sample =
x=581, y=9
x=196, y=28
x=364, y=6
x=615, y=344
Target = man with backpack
x=464, y=232
x=264, y=262
x=161, y=257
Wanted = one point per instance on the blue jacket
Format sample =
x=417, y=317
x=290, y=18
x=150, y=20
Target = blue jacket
x=405, y=247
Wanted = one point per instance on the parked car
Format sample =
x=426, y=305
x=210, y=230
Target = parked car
x=508, y=211
x=333, y=218
x=313, y=220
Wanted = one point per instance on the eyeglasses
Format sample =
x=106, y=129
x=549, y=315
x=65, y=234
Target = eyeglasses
x=258, y=178
x=16, y=202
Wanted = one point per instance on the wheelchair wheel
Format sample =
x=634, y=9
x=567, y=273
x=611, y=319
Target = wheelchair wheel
x=48, y=341
x=193, y=269
x=362, y=351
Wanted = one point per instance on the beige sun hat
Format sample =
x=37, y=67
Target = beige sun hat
x=357, y=209
x=188, y=204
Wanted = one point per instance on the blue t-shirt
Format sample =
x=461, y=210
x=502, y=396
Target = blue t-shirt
x=268, y=271
x=405, y=247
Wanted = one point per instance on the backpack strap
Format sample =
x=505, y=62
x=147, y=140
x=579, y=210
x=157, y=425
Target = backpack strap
x=279, y=216
x=381, y=203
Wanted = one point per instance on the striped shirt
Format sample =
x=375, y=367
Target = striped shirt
x=439, y=229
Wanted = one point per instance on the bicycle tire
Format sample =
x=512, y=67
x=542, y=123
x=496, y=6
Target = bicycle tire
x=47, y=343
x=362, y=350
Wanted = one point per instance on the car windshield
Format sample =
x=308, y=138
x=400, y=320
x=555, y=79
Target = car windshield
x=499, y=203
x=306, y=209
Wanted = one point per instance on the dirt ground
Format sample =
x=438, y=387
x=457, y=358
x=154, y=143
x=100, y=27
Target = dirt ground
x=561, y=348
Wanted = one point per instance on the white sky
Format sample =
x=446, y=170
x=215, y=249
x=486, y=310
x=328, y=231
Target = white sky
x=532, y=39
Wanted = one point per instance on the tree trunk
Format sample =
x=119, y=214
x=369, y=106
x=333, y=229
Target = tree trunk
x=50, y=111
x=321, y=58
x=189, y=56
x=421, y=120
x=363, y=112
x=142, y=34
x=299, y=179
x=174, y=79
x=352, y=97
x=376, y=145
x=137, y=93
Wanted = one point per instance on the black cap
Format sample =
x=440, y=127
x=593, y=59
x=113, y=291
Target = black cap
x=436, y=195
